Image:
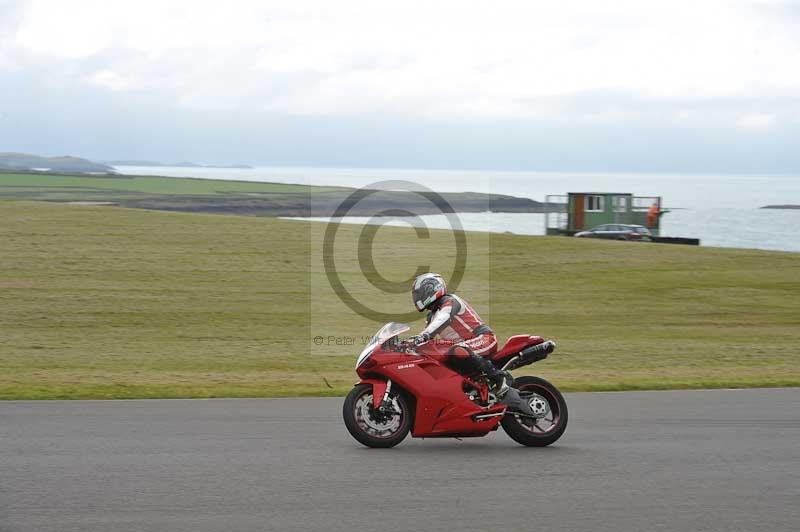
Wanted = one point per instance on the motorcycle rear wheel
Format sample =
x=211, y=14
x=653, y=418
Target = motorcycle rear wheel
x=539, y=432
x=367, y=426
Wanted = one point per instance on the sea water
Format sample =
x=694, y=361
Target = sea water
x=721, y=210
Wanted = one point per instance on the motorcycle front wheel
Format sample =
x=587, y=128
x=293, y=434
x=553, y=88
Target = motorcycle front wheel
x=372, y=427
x=551, y=409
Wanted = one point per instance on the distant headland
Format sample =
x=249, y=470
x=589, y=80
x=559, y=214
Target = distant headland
x=788, y=207
x=248, y=198
x=64, y=163
x=29, y=162
x=182, y=164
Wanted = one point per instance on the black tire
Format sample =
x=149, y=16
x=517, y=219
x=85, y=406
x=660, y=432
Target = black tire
x=361, y=433
x=520, y=430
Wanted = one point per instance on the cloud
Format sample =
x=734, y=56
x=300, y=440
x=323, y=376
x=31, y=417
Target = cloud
x=755, y=121
x=515, y=82
x=113, y=81
x=432, y=60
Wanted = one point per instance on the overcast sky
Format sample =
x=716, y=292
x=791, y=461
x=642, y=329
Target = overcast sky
x=702, y=86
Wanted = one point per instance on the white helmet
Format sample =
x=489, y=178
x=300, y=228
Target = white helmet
x=427, y=289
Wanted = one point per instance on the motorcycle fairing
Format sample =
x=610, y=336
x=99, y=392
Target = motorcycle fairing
x=442, y=407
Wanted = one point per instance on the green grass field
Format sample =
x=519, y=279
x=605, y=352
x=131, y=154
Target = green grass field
x=110, y=188
x=219, y=196
x=105, y=302
x=170, y=193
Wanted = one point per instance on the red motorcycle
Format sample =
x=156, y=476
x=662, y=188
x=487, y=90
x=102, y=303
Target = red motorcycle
x=412, y=388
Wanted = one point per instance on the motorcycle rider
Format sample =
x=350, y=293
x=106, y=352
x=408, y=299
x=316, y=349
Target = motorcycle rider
x=455, y=323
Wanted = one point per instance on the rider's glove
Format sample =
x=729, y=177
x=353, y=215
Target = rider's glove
x=420, y=338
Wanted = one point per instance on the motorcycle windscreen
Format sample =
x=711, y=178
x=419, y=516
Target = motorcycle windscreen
x=390, y=330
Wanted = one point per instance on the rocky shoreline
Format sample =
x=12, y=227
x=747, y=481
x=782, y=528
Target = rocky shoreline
x=257, y=199
x=340, y=203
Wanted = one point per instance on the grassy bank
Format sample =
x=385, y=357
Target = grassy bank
x=217, y=196
x=99, y=302
x=119, y=187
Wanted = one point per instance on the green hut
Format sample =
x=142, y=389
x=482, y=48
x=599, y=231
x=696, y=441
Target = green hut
x=579, y=211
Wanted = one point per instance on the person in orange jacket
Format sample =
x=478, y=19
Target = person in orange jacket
x=652, y=215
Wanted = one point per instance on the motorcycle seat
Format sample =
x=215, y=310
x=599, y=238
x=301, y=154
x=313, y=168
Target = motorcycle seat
x=517, y=343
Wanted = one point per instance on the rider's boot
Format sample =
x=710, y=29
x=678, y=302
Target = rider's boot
x=501, y=382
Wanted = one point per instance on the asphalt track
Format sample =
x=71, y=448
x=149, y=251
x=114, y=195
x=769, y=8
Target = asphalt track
x=726, y=460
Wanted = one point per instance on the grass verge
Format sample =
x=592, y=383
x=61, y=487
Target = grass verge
x=103, y=302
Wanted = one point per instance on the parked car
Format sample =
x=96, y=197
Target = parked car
x=618, y=232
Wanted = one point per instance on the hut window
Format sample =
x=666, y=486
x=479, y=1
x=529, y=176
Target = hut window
x=594, y=204
x=620, y=204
